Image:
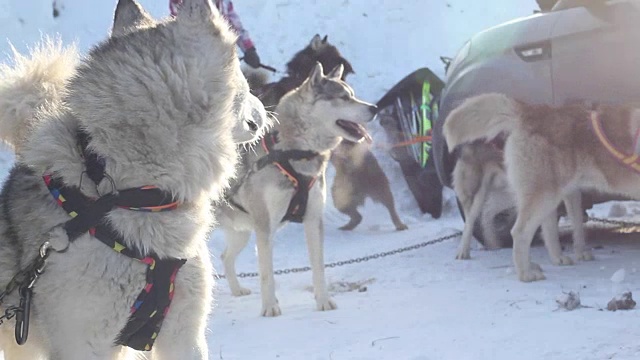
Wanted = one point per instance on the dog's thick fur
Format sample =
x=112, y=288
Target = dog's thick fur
x=479, y=175
x=307, y=120
x=358, y=173
x=550, y=154
x=165, y=104
x=31, y=85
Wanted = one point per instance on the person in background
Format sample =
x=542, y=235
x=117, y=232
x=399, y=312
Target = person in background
x=244, y=41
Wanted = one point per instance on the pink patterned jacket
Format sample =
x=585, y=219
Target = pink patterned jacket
x=226, y=9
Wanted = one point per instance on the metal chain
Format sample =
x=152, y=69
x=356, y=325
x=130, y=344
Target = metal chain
x=355, y=260
x=10, y=313
x=401, y=250
x=26, y=277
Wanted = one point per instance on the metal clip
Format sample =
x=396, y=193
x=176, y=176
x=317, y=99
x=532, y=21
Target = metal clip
x=45, y=249
x=23, y=315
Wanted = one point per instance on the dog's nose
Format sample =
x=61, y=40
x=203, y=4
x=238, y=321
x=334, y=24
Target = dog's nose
x=252, y=125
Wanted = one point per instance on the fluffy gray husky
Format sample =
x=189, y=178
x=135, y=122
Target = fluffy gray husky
x=148, y=121
x=283, y=180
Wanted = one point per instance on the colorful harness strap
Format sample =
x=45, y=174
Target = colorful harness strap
x=89, y=215
x=628, y=160
x=301, y=183
x=152, y=305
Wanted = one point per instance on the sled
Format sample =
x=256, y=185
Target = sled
x=407, y=112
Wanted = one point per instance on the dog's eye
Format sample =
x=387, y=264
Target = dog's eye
x=345, y=97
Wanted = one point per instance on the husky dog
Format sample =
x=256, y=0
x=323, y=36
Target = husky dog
x=480, y=174
x=358, y=173
x=157, y=109
x=551, y=154
x=312, y=120
x=298, y=68
x=358, y=176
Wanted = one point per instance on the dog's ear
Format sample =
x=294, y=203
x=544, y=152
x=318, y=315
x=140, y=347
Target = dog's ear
x=197, y=9
x=128, y=15
x=324, y=39
x=317, y=74
x=336, y=73
x=316, y=43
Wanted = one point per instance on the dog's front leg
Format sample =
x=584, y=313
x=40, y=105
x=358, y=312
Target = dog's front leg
x=182, y=335
x=314, y=233
x=264, y=243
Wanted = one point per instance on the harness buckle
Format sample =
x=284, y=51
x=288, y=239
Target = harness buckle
x=44, y=250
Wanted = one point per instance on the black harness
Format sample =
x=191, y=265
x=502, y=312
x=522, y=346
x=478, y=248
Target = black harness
x=282, y=160
x=89, y=215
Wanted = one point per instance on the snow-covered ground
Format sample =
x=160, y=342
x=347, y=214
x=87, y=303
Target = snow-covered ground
x=417, y=305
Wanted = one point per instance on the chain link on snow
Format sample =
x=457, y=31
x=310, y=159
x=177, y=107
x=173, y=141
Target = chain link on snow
x=356, y=260
x=404, y=249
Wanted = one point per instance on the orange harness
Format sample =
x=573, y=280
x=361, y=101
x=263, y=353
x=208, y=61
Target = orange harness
x=628, y=160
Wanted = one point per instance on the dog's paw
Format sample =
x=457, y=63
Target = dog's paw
x=463, y=254
x=326, y=304
x=535, y=266
x=534, y=273
x=401, y=227
x=271, y=310
x=585, y=255
x=240, y=292
x=347, y=227
x=562, y=261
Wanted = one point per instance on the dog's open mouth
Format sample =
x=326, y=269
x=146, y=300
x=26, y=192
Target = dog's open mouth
x=355, y=130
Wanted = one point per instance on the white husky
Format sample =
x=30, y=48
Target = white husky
x=313, y=119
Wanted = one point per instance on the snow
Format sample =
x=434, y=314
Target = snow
x=420, y=304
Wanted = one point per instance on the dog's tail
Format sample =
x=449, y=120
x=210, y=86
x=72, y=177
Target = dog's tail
x=31, y=84
x=481, y=117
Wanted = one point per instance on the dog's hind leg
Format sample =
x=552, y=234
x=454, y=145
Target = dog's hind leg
x=386, y=198
x=314, y=233
x=471, y=213
x=573, y=203
x=264, y=243
x=355, y=218
x=236, y=241
x=533, y=209
x=552, y=240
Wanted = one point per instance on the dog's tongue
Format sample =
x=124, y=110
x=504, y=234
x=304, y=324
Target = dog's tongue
x=354, y=129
